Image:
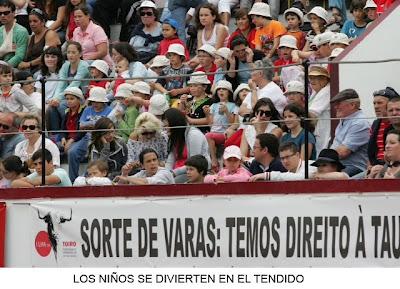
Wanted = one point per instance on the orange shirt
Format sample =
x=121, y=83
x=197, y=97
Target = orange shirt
x=265, y=35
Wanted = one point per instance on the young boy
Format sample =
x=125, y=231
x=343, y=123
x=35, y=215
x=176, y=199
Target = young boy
x=28, y=88
x=354, y=28
x=287, y=44
x=98, y=70
x=54, y=176
x=268, y=31
x=196, y=169
x=294, y=18
x=97, y=172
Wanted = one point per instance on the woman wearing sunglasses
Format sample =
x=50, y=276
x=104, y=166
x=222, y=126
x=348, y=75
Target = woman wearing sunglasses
x=30, y=126
x=148, y=34
x=261, y=121
x=42, y=37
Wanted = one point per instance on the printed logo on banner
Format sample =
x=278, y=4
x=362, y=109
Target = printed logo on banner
x=42, y=244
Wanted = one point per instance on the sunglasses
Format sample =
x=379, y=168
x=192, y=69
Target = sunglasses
x=31, y=127
x=267, y=113
x=148, y=132
x=394, y=164
x=5, y=13
x=4, y=126
x=37, y=11
x=386, y=93
x=146, y=14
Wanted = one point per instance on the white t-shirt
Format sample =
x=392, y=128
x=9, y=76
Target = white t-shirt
x=21, y=150
x=250, y=133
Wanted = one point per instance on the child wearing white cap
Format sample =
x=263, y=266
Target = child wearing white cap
x=221, y=61
x=98, y=108
x=287, y=44
x=318, y=17
x=233, y=172
x=98, y=70
x=294, y=18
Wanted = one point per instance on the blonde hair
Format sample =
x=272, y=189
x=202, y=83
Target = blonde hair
x=146, y=121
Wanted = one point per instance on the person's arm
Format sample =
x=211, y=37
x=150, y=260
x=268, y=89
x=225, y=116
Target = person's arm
x=62, y=85
x=303, y=151
x=101, y=52
x=331, y=176
x=21, y=42
x=60, y=17
x=222, y=33
x=343, y=151
x=199, y=40
x=160, y=88
x=275, y=46
x=242, y=175
x=137, y=181
x=244, y=145
x=52, y=39
x=197, y=121
x=21, y=183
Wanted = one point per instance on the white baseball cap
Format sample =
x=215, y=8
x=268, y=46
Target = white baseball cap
x=260, y=8
x=320, y=12
x=141, y=87
x=232, y=152
x=224, y=52
x=335, y=52
x=158, y=104
x=288, y=41
x=294, y=86
x=223, y=84
x=75, y=91
x=124, y=90
x=240, y=88
x=148, y=4
x=160, y=61
x=98, y=94
x=322, y=38
x=208, y=48
x=340, y=38
x=296, y=11
x=198, y=77
x=177, y=49
x=100, y=65
x=370, y=4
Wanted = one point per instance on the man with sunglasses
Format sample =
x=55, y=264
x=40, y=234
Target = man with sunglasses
x=9, y=136
x=13, y=37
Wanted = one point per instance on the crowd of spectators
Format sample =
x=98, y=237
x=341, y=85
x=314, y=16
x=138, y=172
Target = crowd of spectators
x=231, y=110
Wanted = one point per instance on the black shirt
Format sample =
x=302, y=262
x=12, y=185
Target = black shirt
x=274, y=166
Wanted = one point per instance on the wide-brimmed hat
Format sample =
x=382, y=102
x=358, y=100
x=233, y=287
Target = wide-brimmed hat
x=346, y=94
x=322, y=38
x=100, y=65
x=288, y=41
x=198, y=77
x=320, y=12
x=232, y=152
x=239, y=89
x=335, y=52
x=75, y=91
x=208, y=49
x=223, y=84
x=177, y=49
x=294, y=86
x=340, y=38
x=124, y=90
x=370, y=4
x=328, y=156
x=224, y=52
x=98, y=94
x=316, y=70
x=158, y=104
x=296, y=11
x=160, y=61
x=261, y=9
x=141, y=87
x=148, y=4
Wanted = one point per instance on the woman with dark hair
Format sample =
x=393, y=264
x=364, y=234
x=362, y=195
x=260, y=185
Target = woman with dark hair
x=147, y=35
x=122, y=50
x=261, y=121
x=50, y=65
x=42, y=37
x=210, y=30
x=69, y=19
x=245, y=27
x=107, y=146
x=55, y=11
x=295, y=133
x=12, y=168
x=91, y=36
x=184, y=141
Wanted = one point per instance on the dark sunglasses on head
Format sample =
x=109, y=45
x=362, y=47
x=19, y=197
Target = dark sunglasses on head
x=5, y=13
x=31, y=127
x=267, y=113
x=37, y=11
x=4, y=126
x=394, y=164
x=148, y=132
x=387, y=92
x=146, y=14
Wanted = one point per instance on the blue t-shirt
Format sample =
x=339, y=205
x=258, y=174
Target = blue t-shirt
x=299, y=141
x=60, y=173
x=221, y=121
x=351, y=30
x=89, y=116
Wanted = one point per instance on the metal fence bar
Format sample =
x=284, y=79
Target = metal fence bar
x=43, y=82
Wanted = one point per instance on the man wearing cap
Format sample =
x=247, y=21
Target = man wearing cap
x=380, y=126
x=295, y=93
x=329, y=166
x=268, y=31
x=9, y=136
x=352, y=132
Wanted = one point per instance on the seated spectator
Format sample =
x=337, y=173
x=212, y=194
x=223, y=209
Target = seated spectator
x=147, y=134
x=97, y=108
x=184, y=141
x=28, y=89
x=233, y=172
x=148, y=34
x=170, y=34
x=318, y=17
x=268, y=31
x=55, y=11
x=30, y=126
x=287, y=44
x=352, y=132
x=141, y=95
x=54, y=176
x=73, y=144
x=69, y=19
x=391, y=168
x=245, y=28
x=196, y=169
x=158, y=105
x=293, y=163
x=121, y=69
x=221, y=61
x=151, y=174
x=9, y=135
x=42, y=38
x=21, y=13
x=13, y=37
x=92, y=37
x=266, y=157
x=156, y=67
x=106, y=146
x=295, y=93
x=12, y=168
x=210, y=29
x=97, y=172
x=294, y=18
x=13, y=98
x=339, y=40
x=98, y=71
x=206, y=56
x=329, y=166
x=354, y=28
x=370, y=10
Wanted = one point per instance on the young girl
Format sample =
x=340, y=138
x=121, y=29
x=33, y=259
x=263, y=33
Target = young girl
x=287, y=44
x=12, y=98
x=169, y=31
x=318, y=17
x=295, y=131
x=221, y=61
x=96, y=172
x=12, y=168
x=69, y=20
x=232, y=172
x=98, y=70
x=220, y=116
x=28, y=88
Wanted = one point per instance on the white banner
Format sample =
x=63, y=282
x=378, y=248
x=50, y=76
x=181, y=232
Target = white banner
x=216, y=231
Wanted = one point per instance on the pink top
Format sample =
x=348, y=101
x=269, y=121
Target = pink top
x=94, y=35
x=241, y=175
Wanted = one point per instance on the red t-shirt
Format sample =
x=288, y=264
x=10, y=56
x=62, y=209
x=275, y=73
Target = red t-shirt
x=210, y=76
x=71, y=25
x=71, y=124
x=180, y=162
x=165, y=43
x=380, y=141
x=282, y=61
x=250, y=37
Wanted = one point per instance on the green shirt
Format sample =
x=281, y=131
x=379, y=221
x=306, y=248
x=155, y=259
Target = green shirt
x=20, y=39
